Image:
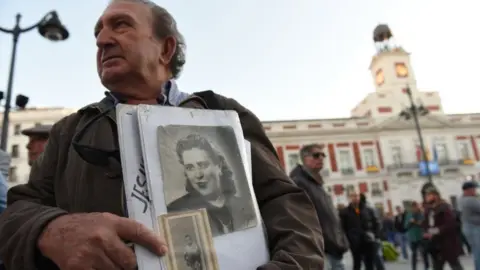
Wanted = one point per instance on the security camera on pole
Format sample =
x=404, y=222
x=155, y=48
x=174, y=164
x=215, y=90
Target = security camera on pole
x=49, y=27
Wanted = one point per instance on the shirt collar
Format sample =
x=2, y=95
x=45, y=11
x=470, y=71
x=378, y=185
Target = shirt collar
x=170, y=96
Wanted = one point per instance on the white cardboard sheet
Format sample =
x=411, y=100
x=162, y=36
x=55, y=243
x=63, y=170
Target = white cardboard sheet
x=135, y=183
x=239, y=250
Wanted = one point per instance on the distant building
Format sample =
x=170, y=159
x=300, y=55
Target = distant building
x=20, y=120
x=376, y=151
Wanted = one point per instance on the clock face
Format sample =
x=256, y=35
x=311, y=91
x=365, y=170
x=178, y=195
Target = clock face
x=379, y=77
x=401, y=70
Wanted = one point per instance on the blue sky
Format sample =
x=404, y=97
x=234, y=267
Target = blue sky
x=283, y=59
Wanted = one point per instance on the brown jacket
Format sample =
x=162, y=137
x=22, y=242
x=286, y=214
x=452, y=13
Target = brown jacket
x=61, y=182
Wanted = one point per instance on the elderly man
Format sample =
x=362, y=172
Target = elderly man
x=37, y=139
x=308, y=177
x=71, y=213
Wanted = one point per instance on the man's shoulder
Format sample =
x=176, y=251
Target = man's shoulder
x=216, y=101
x=66, y=125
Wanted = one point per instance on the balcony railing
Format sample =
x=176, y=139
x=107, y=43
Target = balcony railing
x=456, y=162
x=402, y=166
x=347, y=171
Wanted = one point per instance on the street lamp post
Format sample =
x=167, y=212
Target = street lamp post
x=413, y=112
x=49, y=27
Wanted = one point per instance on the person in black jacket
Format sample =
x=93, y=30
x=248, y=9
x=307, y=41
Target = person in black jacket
x=362, y=228
x=378, y=259
x=400, y=235
x=307, y=176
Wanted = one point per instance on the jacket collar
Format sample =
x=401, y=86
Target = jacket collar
x=170, y=95
x=305, y=173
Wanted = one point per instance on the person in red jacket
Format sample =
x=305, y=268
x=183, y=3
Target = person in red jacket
x=441, y=231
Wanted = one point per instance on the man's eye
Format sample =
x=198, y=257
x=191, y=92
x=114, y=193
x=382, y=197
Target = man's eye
x=121, y=24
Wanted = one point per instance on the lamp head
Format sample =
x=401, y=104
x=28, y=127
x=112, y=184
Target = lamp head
x=21, y=101
x=51, y=28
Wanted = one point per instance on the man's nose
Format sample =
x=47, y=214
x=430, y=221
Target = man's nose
x=105, y=38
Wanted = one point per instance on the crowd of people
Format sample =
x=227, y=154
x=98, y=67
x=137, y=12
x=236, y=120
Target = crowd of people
x=432, y=229
x=71, y=213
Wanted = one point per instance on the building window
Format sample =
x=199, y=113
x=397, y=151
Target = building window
x=397, y=155
x=345, y=159
x=349, y=190
x=369, y=157
x=17, y=129
x=15, y=151
x=464, y=150
x=12, y=174
x=293, y=161
x=346, y=166
x=441, y=153
x=377, y=190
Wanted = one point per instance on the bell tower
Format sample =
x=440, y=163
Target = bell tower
x=390, y=66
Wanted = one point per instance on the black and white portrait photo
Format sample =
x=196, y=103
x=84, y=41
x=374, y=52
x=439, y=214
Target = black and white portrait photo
x=202, y=168
x=189, y=241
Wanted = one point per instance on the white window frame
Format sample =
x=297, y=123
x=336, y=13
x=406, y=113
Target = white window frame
x=380, y=188
x=374, y=157
x=445, y=148
x=469, y=149
x=350, y=158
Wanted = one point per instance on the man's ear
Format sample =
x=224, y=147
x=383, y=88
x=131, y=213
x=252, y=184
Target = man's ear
x=169, y=45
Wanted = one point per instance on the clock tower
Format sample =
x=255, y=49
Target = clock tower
x=390, y=66
x=392, y=72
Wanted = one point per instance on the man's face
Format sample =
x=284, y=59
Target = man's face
x=399, y=209
x=354, y=198
x=35, y=147
x=314, y=160
x=200, y=170
x=127, y=44
x=471, y=192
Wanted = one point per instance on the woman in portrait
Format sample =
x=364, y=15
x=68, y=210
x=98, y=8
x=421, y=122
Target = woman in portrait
x=209, y=185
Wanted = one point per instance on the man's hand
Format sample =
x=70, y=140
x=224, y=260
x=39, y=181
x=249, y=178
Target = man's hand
x=427, y=235
x=96, y=241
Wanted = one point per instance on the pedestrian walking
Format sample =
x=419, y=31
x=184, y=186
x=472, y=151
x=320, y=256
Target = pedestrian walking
x=389, y=228
x=413, y=224
x=363, y=232
x=400, y=236
x=440, y=229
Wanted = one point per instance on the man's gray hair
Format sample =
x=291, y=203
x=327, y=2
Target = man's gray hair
x=308, y=148
x=164, y=25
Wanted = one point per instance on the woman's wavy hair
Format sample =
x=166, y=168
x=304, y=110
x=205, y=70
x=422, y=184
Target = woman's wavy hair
x=196, y=141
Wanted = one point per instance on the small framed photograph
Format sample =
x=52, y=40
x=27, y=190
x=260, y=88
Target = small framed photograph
x=189, y=241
